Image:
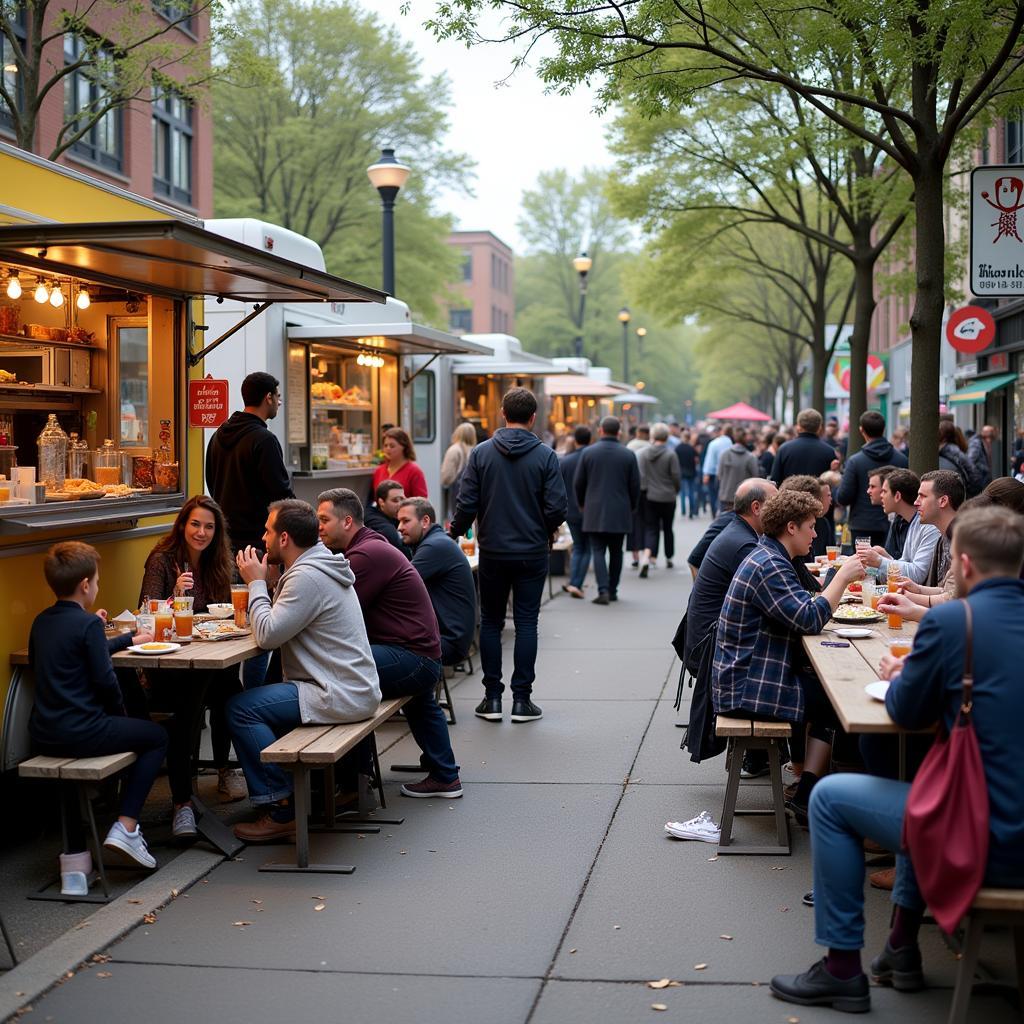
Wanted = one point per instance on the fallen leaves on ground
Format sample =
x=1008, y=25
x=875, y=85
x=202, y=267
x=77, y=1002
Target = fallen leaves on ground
x=663, y=983
x=134, y=901
x=700, y=967
x=104, y=974
x=257, y=902
x=658, y=1006
x=101, y=958
x=149, y=918
x=792, y=1020
x=728, y=938
x=240, y=924
x=320, y=906
x=783, y=910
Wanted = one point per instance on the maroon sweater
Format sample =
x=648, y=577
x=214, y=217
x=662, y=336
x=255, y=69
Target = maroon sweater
x=396, y=606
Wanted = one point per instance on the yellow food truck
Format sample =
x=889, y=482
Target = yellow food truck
x=101, y=303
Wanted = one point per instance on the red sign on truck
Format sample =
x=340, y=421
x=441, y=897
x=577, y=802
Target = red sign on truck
x=207, y=402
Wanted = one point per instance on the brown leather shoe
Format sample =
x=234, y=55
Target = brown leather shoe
x=265, y=830
x=884, y=879
x=870, y=846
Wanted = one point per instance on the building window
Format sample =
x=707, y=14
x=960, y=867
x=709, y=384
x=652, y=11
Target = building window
x=1015, y=139
x=172, y=145
x=13, y=85
x=460, y=321
x=174, y=11
x=88, y=90
x=467, y=265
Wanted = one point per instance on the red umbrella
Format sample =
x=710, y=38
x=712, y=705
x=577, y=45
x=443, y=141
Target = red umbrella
x=739, y=411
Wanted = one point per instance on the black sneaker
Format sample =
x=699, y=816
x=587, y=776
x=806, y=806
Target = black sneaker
x=525, y=711
x=754, y=767
x=601, y=599
x=808, y=899
x=489, y=708
x=816, y=987
x=900, y=968
x=643, y=570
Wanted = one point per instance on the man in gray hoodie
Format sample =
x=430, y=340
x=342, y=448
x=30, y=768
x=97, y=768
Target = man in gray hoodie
x=326, y=660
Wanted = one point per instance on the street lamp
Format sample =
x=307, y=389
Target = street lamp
x=387, y=176
x=641, y=333
x=581, y=264
x=624, y=317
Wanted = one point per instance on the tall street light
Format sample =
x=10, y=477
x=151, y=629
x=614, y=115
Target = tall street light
x=581, y=264
x=388, y=176
x=624, y=317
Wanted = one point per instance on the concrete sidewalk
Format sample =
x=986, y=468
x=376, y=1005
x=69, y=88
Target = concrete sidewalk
x=549, y=893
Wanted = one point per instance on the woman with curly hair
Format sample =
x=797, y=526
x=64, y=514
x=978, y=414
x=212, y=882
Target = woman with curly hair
x=194, y=559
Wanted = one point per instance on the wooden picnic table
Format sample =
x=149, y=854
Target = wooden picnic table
x=845, y=671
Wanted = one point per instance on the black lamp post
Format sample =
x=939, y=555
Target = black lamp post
x=624, y=317
x=582, y=265
x=388, y=176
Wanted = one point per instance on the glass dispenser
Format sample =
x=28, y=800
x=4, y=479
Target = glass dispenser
x=53, y=454
x=107, y=464
x=78, y=458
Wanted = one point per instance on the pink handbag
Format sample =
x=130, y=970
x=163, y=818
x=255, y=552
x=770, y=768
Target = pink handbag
x=946, y=825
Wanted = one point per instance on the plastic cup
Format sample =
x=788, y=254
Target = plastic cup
x=895, y=620
x=240, y=603
x=183, y=608
x=899, y=646
x=163, y=624
x=862, y=542
x=874, y=595
x=832, y=552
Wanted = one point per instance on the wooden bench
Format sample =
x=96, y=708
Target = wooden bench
x=991, y=906
x=745, y=734
x=320, y=747
x=83, y=772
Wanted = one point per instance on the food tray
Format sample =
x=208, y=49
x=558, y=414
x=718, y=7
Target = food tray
x=847, y=615
x=133, y=492
x=73, y=495
x=234, y=634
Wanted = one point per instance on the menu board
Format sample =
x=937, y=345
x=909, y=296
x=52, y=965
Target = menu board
x=297, y=399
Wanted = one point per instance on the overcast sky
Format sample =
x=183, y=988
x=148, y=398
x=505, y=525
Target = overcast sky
x=513, y=131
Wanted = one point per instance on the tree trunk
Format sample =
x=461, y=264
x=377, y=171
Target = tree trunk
x=796, y=376
x=926, y=321
x=819, y=369
x=864, y=309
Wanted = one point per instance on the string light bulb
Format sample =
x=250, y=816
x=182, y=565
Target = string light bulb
x=13, y=285
x=83, y=301
x=56, y=295
x=42, y=293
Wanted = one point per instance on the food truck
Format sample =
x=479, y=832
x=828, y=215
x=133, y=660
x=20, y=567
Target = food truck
x=100, y=333
x=347, y=371
x=584, y=398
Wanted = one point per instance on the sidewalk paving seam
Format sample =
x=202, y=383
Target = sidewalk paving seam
x=548, y=974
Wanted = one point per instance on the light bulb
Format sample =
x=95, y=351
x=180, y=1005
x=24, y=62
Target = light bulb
x=13, y=285
x=83, y=297
x=42, y=293
x=56, y=295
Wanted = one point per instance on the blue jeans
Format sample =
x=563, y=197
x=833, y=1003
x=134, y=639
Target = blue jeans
x=580, y=555
x=254, y=670
x=711, y=487
x=404, y=674
x=524, y=578
x=689, y=494
x=845, y=809
x=256, y=718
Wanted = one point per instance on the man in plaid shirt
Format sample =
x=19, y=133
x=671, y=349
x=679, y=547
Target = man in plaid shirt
x=766, y=610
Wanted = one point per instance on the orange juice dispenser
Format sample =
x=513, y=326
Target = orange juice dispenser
x=106, y=467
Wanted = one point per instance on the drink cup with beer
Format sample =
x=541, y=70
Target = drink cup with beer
x=183, y=608
x=899, y=646
x=832, y=552
x=240, y=603
x=163, y=623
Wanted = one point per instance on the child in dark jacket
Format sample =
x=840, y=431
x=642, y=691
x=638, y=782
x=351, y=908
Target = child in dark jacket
x=79, y=710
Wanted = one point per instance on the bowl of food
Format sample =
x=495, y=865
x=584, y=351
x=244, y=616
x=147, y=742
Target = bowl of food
x=221, y=611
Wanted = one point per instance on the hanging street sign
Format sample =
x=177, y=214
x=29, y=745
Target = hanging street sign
x=997, y=230
x=971, y=329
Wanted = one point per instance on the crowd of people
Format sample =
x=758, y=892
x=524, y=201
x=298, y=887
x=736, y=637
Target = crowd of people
x=360, y=602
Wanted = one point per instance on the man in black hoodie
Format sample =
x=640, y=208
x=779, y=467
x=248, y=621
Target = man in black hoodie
x=864, y=518
x=245, y=469
x=513, y=488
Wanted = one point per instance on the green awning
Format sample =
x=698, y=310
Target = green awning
x=975, y=392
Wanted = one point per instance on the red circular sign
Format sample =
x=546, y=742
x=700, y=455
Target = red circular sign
x=971, y=329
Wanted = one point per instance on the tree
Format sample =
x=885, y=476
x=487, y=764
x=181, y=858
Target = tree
x=336, y=86
x=756, y=155
x=140, y=51
x=949, y=60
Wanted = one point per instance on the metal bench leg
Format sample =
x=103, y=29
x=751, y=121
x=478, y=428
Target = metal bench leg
x=1018, y=946
x=448, y=704
x=732, y=787
x=86, y=805
x=975, y=927
x=9, y=943
x=778, y=795
x=300, y=774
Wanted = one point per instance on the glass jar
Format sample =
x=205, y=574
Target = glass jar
x=53, y=454
x=106, y=467
x=78, y=458
x=165, y=469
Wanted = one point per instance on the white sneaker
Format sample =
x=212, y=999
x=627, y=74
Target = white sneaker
x=130, y=843
x=701, y=828
x=789, y=777
x=75, y=869
x=184, y=823
x=230, y=786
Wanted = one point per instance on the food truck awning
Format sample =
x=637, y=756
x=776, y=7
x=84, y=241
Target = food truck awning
x=174, y=259
x=528, y=366
x=585, y=387
x=401, y=338
x=636, y=398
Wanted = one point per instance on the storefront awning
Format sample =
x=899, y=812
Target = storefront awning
x=395, y=339
x=171, y=258
x=636, y=398
x=975, y=392
x=584, y=387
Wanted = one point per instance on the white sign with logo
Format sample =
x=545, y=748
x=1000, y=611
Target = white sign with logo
x=997, y=230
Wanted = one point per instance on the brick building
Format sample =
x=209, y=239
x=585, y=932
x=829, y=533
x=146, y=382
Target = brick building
x=483, y=301
x=159, y=146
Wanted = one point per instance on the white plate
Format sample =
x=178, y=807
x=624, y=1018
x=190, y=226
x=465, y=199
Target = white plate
x=154, y=651
x=853, y=633
x=877, y=690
